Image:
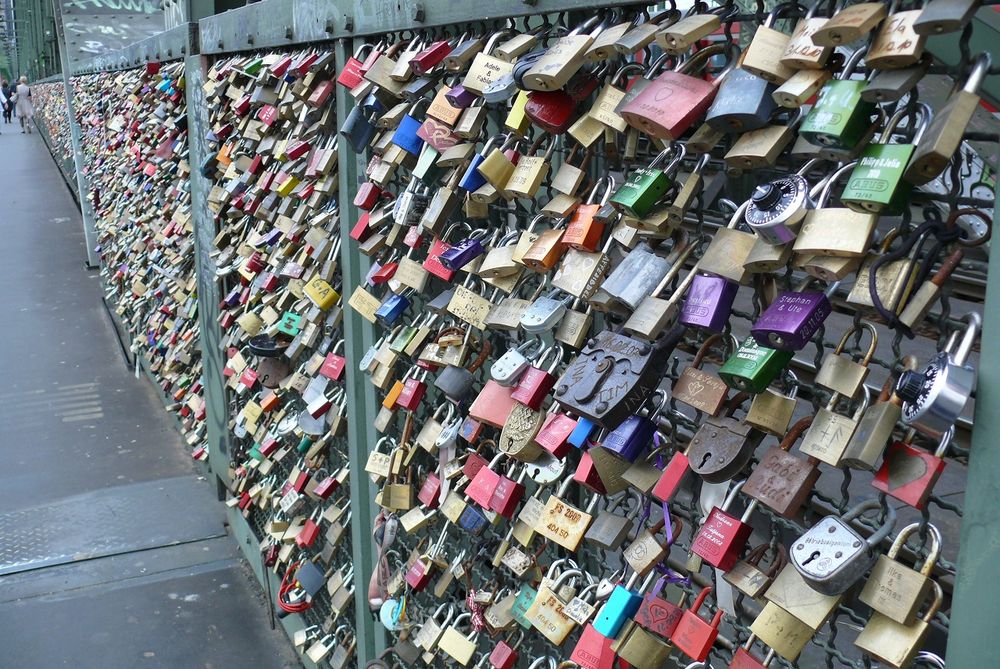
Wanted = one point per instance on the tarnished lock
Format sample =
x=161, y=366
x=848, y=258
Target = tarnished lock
x=894, y=644
x=895, y=590
x=641, y=649
x=722, y=537
x=743, y=659
x=646, y=551
x=609, y=530
x=831, y=556
x=850, y=23
x=897, y=44
x=723, y=446
x=747, y=575
x=613, y=375
x=699, y=389
x=780, y=480
x=801, y=53
x=934, y=398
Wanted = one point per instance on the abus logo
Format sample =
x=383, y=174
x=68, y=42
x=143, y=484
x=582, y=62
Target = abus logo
x=876, y=185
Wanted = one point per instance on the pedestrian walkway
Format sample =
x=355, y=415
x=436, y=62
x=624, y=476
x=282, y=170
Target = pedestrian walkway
x=113, y=550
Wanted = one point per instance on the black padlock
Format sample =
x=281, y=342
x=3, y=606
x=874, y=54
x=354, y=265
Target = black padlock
x=744, y=102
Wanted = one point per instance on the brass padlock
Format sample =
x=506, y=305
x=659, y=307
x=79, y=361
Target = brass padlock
x=831, y=432
x=896, y=644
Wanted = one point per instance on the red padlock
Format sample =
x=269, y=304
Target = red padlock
x=694, y=636
x=367, y=196
x=593, y=650
x=280, y=67
x=333, y=364
x=309, y=532
x=414, y=389
x=383, y=273
x=722, y=537
x=493, y=404
x=554, y=435
x=297, y=149
x=326, y=487
x=248, y=379
x=473, y=463
x=587, y=476
x=420, y=573
x=301, y=481
x=430, y=491
x=536, y=383
x=504, y=655
x=426, y=60
x=672, y=477
x=320, y=94
x=433, y=261
x=480, y=488
x=351, y=75
x=658, y=615
x=909, y=473
x=361, y=232
x=507, y=495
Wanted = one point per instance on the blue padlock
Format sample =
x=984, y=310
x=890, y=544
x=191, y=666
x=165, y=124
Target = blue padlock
x=621, y=606
x=405, y=136
x=390, y=310
x=629, y=440
x=473, y=520
x=581, y=433
x=472, y=180
x=358, y=129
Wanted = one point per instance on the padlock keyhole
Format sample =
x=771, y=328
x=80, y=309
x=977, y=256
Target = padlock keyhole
x=815, y=554
x=705, y=459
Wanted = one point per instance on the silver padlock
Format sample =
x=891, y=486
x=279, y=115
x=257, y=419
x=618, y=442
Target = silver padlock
x=509, y=367
x=832, y=556
x=545, y=313
x=934, y=398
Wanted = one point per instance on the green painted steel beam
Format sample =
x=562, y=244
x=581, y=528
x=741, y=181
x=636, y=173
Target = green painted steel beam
x=171, y=44
x=359, y=335
x=213, y=357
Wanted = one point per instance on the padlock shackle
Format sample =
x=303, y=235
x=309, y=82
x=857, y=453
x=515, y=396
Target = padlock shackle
x=852, y=62
x=980, y=68
x=870, y=353
x=932, y=555
x=828, y=183
x=795, y=432
x=944, y=442
x=870, y=505
x=973, y=322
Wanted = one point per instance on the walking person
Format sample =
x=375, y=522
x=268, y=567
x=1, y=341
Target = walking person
x=7, y=92
x=25, y=112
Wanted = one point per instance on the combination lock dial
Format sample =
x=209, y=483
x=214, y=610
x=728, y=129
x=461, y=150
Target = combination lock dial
x=777, y=207
x=934, y=398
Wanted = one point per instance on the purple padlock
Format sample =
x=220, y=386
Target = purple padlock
x=461, y=254
x=792, y=319
x=232, y=298
x=709, y=302
x=630, y=438
x=459, y=97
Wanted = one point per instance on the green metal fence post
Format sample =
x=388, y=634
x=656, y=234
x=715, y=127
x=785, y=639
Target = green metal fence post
x=359, y=334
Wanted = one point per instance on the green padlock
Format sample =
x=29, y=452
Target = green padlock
x=753, y=367
x=525, y=596
x=840, y=119
x=637, y=196
x=876, y=185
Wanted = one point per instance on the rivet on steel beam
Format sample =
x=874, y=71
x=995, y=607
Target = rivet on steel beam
x=288, y=33
x=249, y=39
x=222, y=44
x=348, y=23
x=418, y=12
x=328, y=28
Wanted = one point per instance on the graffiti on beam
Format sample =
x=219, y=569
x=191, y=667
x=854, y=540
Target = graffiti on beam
x=117, y=6
x=91, y=39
